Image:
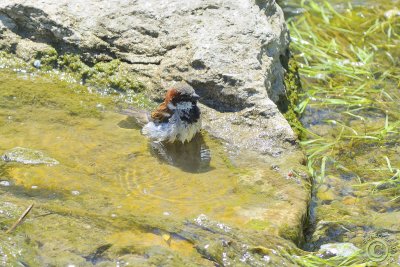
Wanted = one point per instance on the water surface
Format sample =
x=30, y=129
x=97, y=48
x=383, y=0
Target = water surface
x=112, y=198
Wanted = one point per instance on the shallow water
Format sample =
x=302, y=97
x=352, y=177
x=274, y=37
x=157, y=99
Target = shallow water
x=112, y=197
x=353, y=125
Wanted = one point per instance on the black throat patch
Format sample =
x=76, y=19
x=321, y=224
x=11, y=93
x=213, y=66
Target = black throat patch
x=191, y=115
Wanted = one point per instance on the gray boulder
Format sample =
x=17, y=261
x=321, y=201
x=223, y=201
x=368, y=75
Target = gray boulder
x=231, y=52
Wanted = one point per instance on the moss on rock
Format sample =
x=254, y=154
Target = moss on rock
x=113, y=74
x=48, y=58
x=290, y=233
x=293, y=89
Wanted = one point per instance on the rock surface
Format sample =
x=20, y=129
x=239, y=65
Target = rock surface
x=231, y=52
x=27, y=156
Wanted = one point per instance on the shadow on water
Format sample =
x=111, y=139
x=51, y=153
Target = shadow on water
x=192, y=157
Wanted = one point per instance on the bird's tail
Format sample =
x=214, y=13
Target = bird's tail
x=141, y=117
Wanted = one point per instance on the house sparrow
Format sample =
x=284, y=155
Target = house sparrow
x=177, y=119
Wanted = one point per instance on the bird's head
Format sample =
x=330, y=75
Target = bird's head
x=180, y=94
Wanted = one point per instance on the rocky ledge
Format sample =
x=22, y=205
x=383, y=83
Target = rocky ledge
x=232, y=52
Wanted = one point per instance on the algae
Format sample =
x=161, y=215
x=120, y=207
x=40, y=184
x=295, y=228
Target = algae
x=48, y=58
x=114, y=74
x=293, y=90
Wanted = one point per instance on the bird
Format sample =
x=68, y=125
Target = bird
x=176, y=119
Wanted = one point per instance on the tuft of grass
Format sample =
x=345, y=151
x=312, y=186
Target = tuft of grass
x=312, y=260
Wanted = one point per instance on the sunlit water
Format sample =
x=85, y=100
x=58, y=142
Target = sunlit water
x=112, y=192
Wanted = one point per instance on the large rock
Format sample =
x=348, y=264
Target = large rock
x=231, y=52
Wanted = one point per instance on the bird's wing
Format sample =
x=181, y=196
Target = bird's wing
x=161, y=114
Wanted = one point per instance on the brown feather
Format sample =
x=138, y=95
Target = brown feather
x=163, y=113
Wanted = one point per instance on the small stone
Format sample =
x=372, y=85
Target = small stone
x=34, y=187
x=337, y=249
x=275, y=167
x=100, y=106
x=392, y=13
x=75, y=192
x=5, y=183
x=27, y=156
x=266, y=258
x=37, y=63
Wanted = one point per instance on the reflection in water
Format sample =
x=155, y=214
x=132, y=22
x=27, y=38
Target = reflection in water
x=194, y=156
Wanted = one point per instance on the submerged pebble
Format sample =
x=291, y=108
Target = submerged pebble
x=37, y=63
x=337, y=249
x=5, y=183
x=27, y=156
x=392, y=13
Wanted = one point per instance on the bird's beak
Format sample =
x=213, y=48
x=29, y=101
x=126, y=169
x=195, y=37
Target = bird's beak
x=195, y=97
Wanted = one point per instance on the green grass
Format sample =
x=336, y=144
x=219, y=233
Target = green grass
x=349, y=64
x=357, y=259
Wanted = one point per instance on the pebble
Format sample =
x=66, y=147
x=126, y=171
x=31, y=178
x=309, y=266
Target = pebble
x=37, y=63
x=391, y=13
x=337, y=249
x=5, y=183
x=27, y=156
